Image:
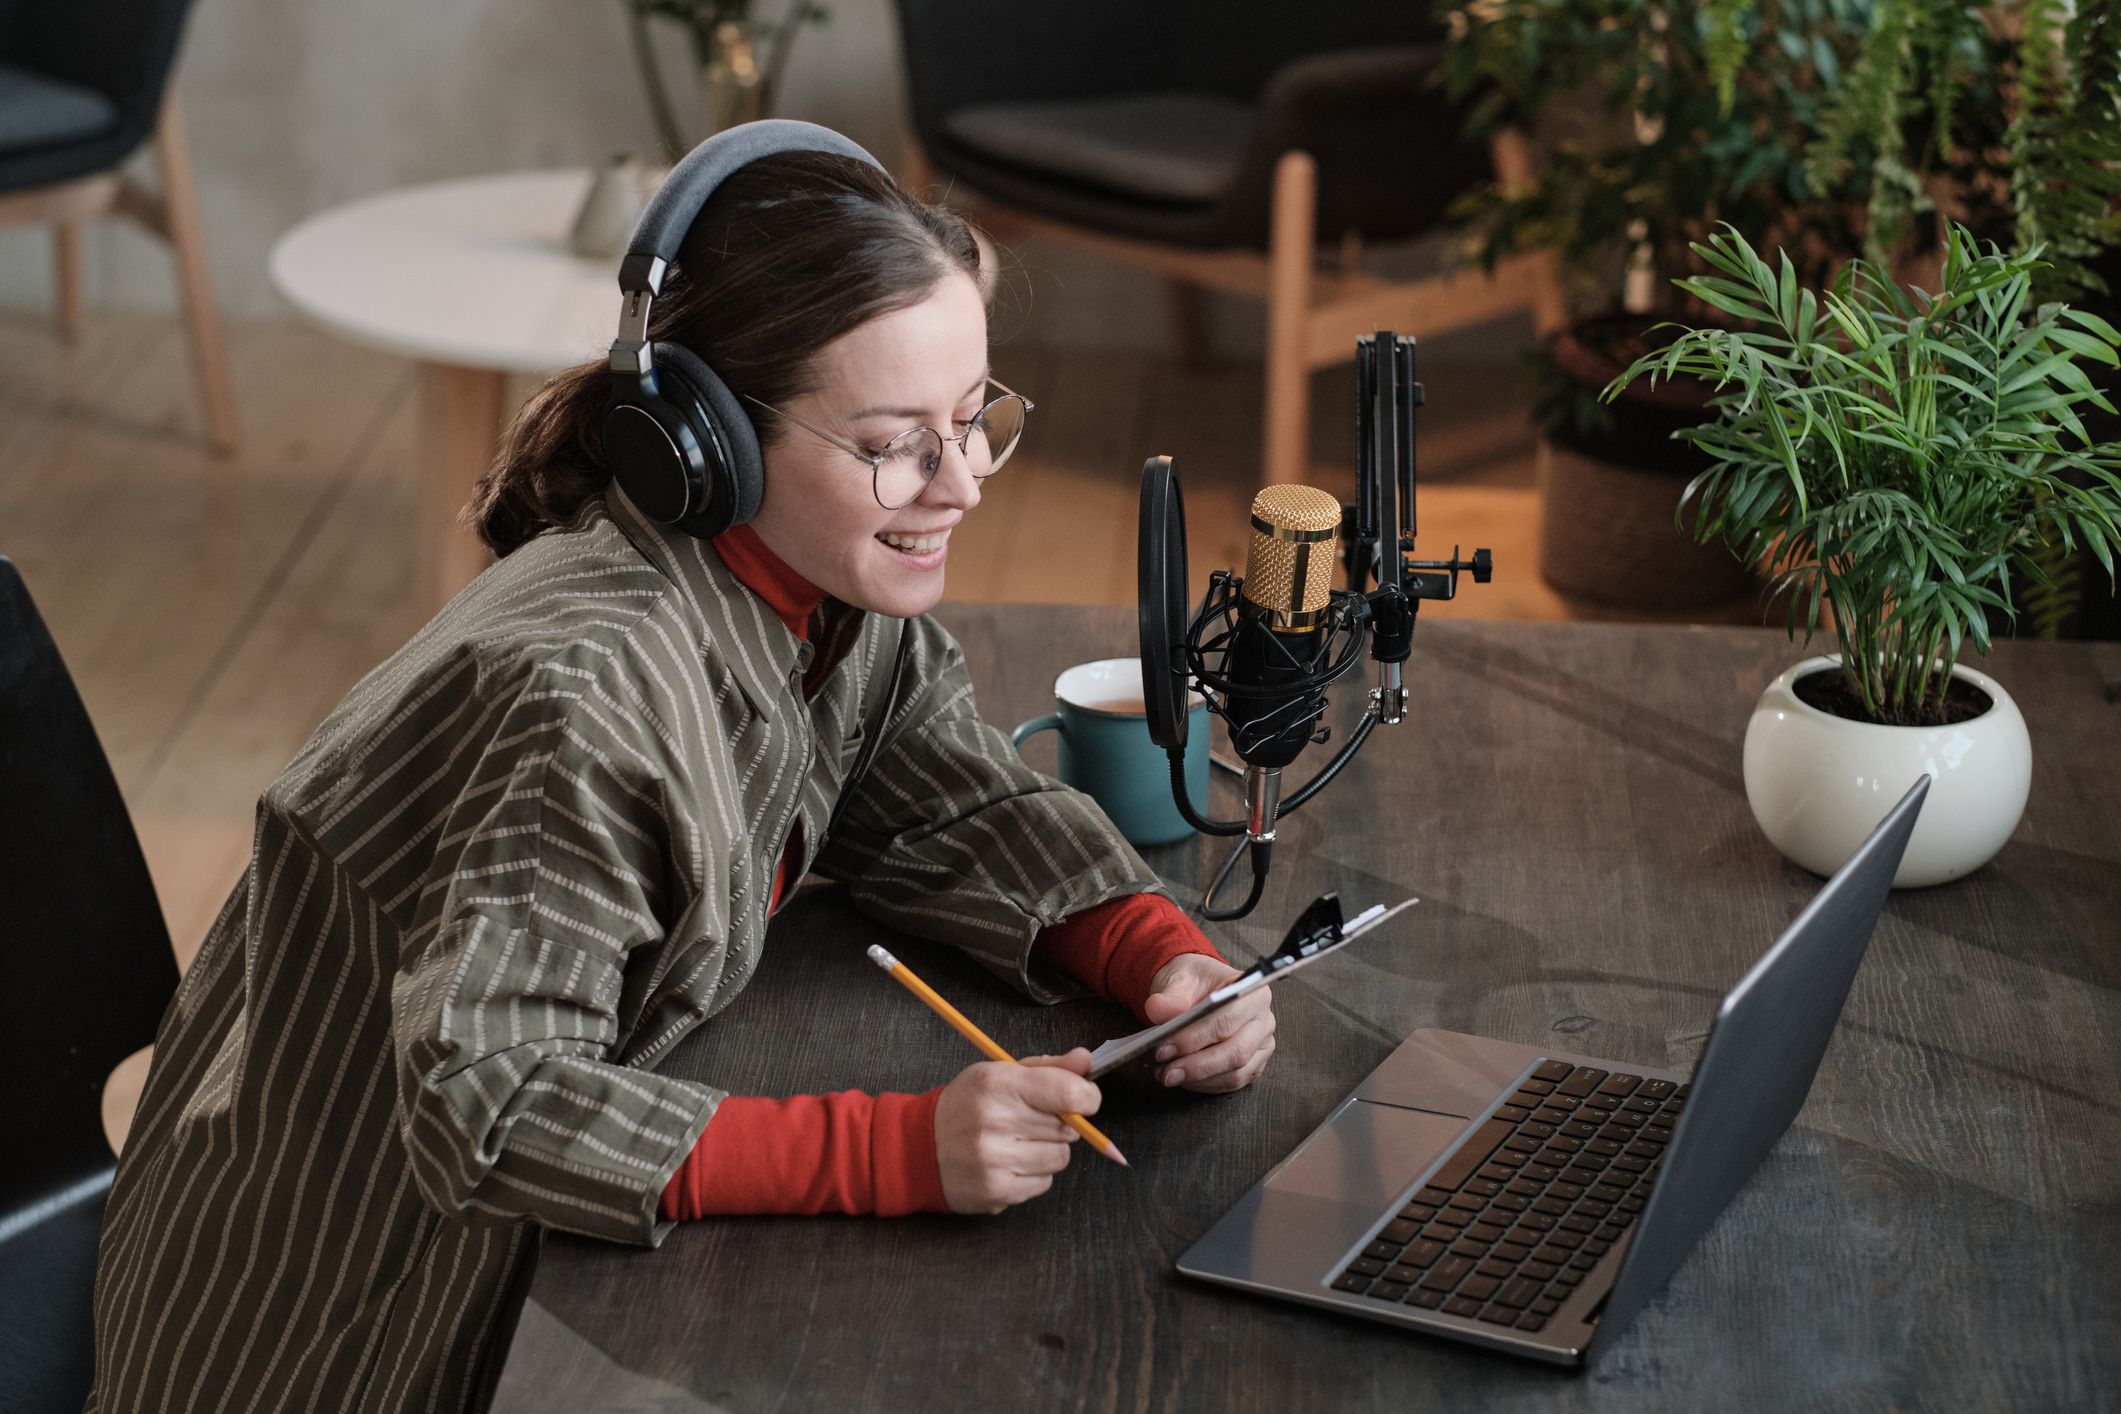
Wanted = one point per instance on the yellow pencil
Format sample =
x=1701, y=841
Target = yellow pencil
x=986, y=1044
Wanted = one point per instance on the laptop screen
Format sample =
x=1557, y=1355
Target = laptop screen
x=1763, y=1050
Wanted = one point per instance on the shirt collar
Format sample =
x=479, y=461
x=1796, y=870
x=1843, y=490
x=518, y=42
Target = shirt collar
x=740, y=628
x=792, y=598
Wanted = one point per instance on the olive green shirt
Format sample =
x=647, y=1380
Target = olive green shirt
x=523, y=858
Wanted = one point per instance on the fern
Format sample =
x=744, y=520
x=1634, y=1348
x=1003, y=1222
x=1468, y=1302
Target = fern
x=1950, y=34
x=1723, y=44
x=1871, y=109
x=2064, y=146
x=2056, y=588
x=2066, y=171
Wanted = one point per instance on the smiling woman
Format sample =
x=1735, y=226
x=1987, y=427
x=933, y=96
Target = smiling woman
x=853, y=530
x=540, y=844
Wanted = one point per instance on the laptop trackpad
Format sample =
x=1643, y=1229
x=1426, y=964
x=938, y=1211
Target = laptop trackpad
x=1368, y=1154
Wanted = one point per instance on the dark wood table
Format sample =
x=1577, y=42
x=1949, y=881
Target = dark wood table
x=1939, y=1230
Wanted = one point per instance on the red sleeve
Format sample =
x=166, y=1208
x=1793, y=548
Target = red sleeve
x=849, y=1152
x=1116, y=948
x=845, y=1152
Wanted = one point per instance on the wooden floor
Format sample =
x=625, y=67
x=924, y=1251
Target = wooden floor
x=213, y=611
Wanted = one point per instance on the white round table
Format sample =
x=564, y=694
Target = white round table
x=474, y=279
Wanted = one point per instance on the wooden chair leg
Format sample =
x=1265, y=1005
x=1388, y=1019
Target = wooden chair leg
x=1290, y=255
x=1511, y=154
x=209, y=349
x=461, y=412
x=66, y=276
x=1189, y=332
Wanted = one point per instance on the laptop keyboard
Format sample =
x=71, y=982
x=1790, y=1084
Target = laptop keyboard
x=1531, y=1201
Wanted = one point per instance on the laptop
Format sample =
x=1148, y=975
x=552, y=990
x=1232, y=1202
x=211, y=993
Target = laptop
x=1533, y=1201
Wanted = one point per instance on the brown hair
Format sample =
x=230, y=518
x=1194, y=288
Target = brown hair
x=791, y=252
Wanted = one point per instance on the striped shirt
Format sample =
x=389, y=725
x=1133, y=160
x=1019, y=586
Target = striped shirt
x=524, y=857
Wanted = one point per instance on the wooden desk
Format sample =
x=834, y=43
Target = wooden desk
x=1938, y=1230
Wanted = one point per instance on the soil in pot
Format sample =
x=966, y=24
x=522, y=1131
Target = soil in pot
x=1829, y=692
x=1610, y=476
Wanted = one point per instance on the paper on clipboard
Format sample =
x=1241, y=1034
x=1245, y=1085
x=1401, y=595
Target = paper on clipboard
x=1121, y=1049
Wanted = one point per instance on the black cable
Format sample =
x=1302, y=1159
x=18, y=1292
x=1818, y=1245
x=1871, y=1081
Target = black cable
x=1332, y=768
x=1262, y=852
x=1176, y=755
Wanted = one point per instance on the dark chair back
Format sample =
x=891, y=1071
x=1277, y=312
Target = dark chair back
x=1348, y=82
x=123, y=49
x=86, y=972
x=957, y=55
x=1233, y=47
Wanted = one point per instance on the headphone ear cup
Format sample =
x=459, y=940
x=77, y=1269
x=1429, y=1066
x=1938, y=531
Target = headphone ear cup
x=735, y=472
x=650, y=447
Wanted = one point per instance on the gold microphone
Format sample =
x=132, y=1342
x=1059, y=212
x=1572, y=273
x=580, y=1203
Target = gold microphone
x=1273, y=705
x=1294, y=550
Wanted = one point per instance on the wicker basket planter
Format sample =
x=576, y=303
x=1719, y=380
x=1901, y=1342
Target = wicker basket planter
x=1609, y=493
x=1606, y=533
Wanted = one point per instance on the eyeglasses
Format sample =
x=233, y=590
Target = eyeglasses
x=902, y=468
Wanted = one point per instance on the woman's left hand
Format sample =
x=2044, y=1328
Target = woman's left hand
x=1222, y=1051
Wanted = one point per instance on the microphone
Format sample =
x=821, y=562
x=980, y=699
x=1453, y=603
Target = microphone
x=1261, y=651
x=1279, y=644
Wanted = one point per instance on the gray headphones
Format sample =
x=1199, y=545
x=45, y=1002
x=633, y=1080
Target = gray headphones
x=677, y=440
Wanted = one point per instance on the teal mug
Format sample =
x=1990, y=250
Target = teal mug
x=1106, y=753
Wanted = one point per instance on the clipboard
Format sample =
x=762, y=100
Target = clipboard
x=1318, y=932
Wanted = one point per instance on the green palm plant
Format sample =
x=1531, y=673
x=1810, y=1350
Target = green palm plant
x=1903, y=456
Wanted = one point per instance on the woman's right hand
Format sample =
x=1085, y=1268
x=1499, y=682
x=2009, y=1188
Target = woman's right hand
x=998, y=1136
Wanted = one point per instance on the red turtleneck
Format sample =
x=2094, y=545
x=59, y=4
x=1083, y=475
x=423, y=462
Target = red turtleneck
x=792, y=598
x=851, y=1152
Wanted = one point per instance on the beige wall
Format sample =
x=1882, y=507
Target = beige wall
x=295, y=105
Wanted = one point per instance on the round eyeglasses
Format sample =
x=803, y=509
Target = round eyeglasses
x=901, y=469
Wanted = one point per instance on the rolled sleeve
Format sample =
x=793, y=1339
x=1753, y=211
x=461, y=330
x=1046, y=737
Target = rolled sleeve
x=553, y=868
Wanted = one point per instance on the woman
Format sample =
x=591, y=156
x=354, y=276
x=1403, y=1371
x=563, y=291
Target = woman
x=536, y=847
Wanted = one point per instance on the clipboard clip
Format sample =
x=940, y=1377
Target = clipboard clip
x=1318, y=930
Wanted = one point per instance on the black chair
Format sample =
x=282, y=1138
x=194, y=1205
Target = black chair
x=83, y=85
x=1217, y=142
x=89, y=973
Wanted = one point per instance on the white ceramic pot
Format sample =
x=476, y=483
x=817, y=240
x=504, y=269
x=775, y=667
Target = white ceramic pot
x=1818, y=783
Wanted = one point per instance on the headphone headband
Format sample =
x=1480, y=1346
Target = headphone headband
x=679, y=443
x=678, y=202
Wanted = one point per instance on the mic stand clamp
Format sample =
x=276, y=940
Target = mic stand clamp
x=1391, y=641
x=1392, y=610
x=1438, y=579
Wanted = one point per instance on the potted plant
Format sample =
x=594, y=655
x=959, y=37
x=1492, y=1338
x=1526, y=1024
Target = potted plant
x=1901, y=460
x=1647, y=139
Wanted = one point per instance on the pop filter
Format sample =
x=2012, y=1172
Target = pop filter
x=1161, y=557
